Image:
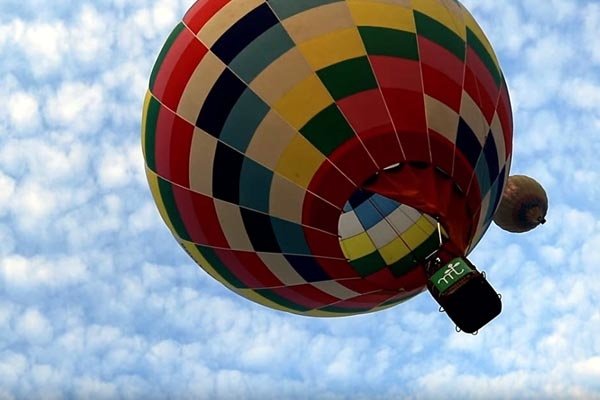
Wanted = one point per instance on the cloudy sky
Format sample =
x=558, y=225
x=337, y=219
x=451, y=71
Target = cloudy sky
x=98, y=301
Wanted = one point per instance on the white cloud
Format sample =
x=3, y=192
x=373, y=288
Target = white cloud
x=546, y=58
x=48, y=377
x=120, y=166
x=34, y=327
x=591, y=15
x=77, y=106
x=34, y=201
x=88, y=387
x=21, y=272
x=551, y=11
x=582, y=93
x=91, y=35
x=163, y=15
x=144, y=219
x=7, y=241
x=46, y=162
x=555, y=256
x=589, y=368
x=23, y=109
x=12, y=367
x=7, y=188
x=45, y=44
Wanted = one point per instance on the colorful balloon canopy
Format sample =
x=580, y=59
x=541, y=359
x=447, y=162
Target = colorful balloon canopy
x=302, y=152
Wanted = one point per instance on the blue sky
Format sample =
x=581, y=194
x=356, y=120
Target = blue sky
x=98, y=301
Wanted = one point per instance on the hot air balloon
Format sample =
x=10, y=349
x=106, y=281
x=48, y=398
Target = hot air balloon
x=316, y=156
x=523, y=206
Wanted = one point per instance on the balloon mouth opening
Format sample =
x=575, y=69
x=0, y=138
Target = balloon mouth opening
x=377, y=232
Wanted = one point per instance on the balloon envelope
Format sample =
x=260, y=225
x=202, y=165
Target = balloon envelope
x=523, y=206
x=302, y=152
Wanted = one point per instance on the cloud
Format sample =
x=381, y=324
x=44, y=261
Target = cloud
x=33, y=327
x=589, y=369
x=591, y=27
x=44, y=44
x=582, y=94
x=120, y=166
x=78, y=106
x=20, y=272
x=7, y=188
x=12, y=367
x=23, y=110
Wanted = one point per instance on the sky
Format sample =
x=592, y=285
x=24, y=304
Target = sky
x=98, y=301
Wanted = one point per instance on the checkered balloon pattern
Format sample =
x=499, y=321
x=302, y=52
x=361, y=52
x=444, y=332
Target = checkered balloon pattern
x=264, y=118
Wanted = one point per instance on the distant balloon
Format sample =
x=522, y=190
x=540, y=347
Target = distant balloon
x=523, y=206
